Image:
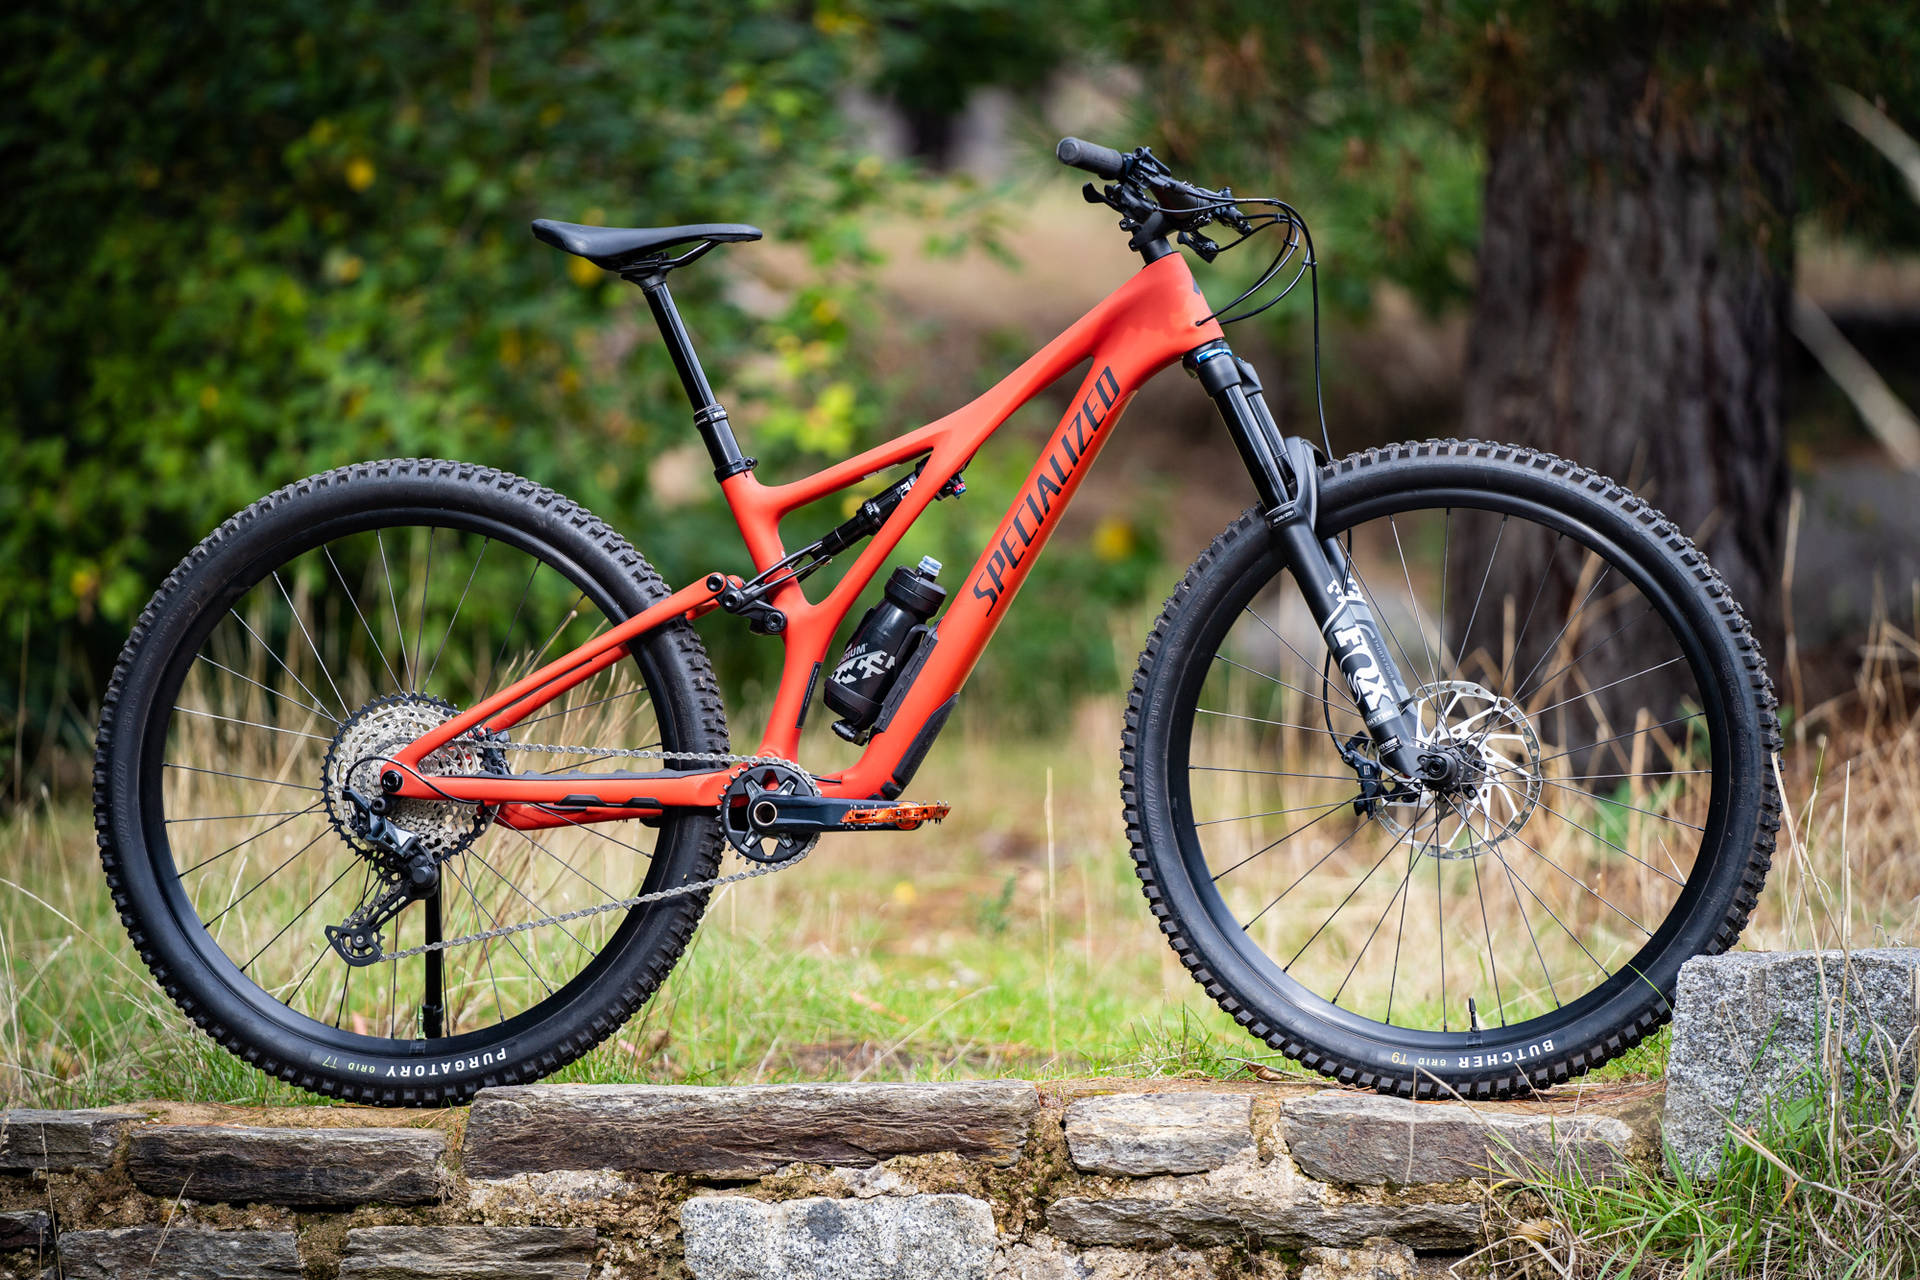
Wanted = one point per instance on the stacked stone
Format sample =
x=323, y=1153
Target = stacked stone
x=988, y=1180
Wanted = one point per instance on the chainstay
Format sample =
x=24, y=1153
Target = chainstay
x=639, y=899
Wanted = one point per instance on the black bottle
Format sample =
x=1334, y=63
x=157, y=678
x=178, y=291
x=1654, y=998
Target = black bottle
x=880, y=644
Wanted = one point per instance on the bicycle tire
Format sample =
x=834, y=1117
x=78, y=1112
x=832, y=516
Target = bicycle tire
x=249, y=1022
x=1720, y=892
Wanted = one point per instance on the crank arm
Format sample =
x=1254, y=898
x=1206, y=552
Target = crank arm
x=784, y=815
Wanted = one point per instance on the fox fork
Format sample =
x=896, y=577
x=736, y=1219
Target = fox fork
x=1285, y=472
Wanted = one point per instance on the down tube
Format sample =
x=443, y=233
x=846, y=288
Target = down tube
x=1003, y=566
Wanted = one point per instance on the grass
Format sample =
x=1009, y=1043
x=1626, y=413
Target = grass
x=1824, y=1184
x=1011, y=940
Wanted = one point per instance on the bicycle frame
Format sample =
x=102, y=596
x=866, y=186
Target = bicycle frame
x=1155, y=318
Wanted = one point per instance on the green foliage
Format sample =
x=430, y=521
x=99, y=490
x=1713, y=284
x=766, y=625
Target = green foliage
x=255, y=241
x=250, y=242
x=1372, y=118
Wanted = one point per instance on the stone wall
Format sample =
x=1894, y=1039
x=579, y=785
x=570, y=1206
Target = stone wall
x=1080, y=1180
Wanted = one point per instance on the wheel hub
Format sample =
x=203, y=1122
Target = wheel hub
x=364, y=746
x=1479, y=773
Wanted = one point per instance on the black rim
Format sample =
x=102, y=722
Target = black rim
x=421, y=660
x=1651, y=962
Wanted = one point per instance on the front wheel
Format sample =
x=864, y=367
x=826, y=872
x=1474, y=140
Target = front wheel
x=1609, y=812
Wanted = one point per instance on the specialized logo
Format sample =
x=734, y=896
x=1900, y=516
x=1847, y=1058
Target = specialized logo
x=1061, y=460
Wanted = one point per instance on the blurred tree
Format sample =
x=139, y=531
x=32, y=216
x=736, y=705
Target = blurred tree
x=1643, y=165
x=249, y=242
x=934, y=54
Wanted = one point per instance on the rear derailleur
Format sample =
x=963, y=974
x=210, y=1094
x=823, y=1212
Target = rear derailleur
x=408, y=872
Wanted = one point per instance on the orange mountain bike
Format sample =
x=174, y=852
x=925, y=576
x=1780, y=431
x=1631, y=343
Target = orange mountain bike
x=414, y=777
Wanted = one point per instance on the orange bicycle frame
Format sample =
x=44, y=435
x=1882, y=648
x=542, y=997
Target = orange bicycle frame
x=1157, y=317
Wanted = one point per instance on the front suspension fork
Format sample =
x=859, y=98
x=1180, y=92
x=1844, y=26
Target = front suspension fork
x=1286, y=474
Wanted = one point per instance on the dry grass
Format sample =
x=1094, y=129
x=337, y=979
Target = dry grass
x=1828, y=1184
x=1011, y=940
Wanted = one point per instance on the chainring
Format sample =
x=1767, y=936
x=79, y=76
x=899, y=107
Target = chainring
x=750, y=782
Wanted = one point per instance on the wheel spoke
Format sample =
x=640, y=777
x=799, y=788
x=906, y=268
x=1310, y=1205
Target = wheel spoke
x=263, y=879
x=301, y=623
x=1466, y=635
x=1413, y=599
x=1570, y=663
x=250, y=839
x=1644, y=671
x=282, y=664
x=393, y=602
x=1357, y=829
x=457, y=606
x=354, y=601
x=1546, y=571
x=1358, y=885
x=320, y=711
x=1331, y=810
x=252, y=724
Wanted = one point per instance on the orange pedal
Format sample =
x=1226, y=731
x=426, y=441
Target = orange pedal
x=899, y=817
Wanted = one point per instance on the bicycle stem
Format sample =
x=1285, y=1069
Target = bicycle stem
x=1286, y=474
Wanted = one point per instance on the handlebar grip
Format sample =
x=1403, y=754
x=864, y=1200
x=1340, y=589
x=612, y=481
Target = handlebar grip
x=1100, y=161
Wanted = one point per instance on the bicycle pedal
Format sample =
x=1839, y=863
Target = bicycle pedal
x=895, y=817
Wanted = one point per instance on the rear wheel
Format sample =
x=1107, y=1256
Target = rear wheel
x=1611, y=815
x=312, y=634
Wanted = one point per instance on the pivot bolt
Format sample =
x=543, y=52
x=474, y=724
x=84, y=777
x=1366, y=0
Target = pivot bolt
x=390, y=780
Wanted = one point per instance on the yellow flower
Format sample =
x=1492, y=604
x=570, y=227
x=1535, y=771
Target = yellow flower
x=84, y=583
x=1113, y=539
x=905, y=894
x=360, y=173
x=582, y=272
x=734, y=98
x=209, y=397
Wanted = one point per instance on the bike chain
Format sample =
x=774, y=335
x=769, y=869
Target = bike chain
x=639, y=899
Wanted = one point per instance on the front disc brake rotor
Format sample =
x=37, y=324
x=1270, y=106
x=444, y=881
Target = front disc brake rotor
x=1502, y=784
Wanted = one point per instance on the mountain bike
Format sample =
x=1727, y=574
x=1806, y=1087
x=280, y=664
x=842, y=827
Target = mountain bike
x=414, y=777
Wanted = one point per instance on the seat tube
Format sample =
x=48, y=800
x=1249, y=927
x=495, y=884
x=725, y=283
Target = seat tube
x=709, y=418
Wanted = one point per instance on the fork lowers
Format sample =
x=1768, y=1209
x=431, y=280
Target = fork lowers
x=1285, y=474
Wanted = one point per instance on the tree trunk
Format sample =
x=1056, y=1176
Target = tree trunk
x=1633, y=294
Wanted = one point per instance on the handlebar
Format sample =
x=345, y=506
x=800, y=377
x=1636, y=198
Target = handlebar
x=1102, y=162
x=1147, y=188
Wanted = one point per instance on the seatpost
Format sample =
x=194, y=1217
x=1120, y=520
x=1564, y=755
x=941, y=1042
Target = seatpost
x=709, y=419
